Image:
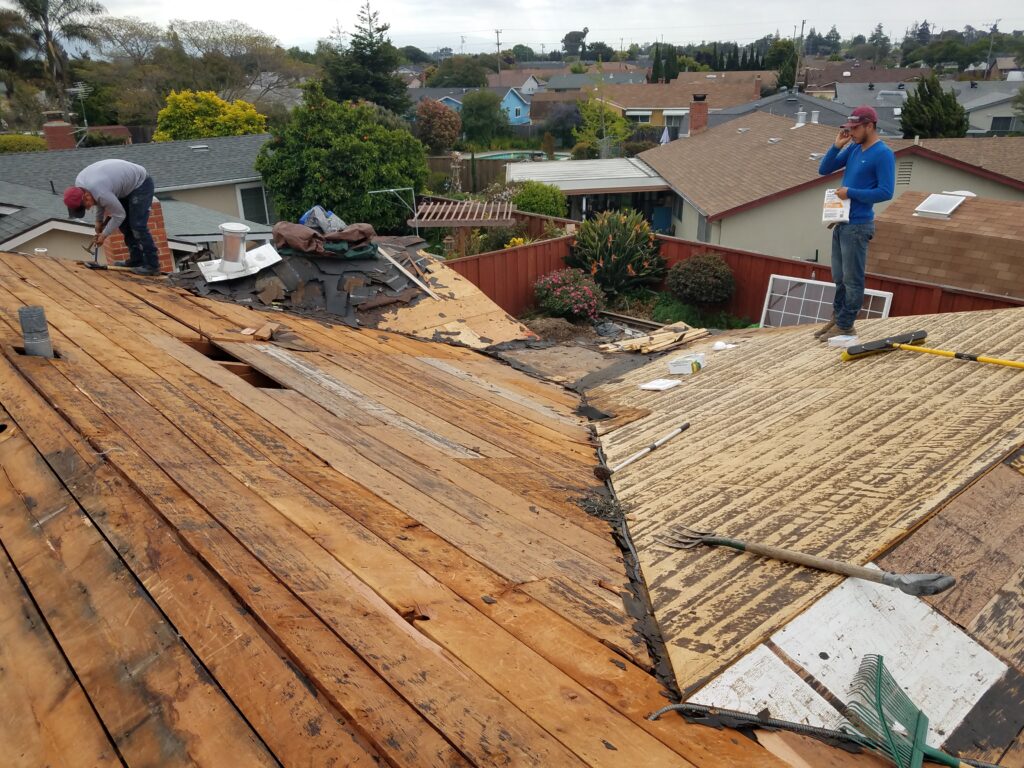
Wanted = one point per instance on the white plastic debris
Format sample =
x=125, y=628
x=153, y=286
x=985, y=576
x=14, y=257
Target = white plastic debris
x=686, y=364
x=721, y=346
x=842, y=341
x=659, y=385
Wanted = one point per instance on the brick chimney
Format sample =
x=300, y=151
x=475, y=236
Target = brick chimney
x=58, y=132
x=115, y=248
x=757, y=87
x=698, y=113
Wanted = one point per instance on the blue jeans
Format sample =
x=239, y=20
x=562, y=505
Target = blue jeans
x=849, y=263
x=135, y=226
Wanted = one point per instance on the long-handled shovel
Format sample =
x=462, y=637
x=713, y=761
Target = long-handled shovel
x=911, y=583
x=911, y=342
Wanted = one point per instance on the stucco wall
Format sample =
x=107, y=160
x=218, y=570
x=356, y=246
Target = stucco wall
x=223, y=198
x=60, y=244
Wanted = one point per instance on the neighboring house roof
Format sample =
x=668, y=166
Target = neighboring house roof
x=855, y=72
x=768, y=77
x=573, y=82
x=172, y=164
x=979, y=248
x=183, y=222
x=1002, y=156
x=510, y=78
x=786, y=104
x=790, y=447
x=590, y=176
x=1006, y=63
x=720, y=94
x=734, y=164
x=418, y=94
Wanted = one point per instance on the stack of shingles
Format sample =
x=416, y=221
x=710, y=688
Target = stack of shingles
x=339, y=273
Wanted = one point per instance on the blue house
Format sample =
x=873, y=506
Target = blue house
x=514, y=102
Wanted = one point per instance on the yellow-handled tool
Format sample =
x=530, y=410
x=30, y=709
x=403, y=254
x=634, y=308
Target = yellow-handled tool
x=911, y=342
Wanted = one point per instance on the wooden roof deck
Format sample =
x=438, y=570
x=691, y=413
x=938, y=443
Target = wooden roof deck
x=791, y=447
x=225, y=552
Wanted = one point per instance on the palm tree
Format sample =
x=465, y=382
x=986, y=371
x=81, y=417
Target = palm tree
x=15, y=44
x=51, y=22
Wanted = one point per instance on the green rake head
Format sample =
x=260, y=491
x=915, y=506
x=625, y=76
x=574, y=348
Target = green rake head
x=882, y=711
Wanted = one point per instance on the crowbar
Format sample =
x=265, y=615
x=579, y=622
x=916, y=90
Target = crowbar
x=603, y=473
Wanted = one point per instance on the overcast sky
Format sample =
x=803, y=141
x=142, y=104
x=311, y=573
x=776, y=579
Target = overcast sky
x=432, y=24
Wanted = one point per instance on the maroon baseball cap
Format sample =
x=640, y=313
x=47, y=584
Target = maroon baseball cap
x=74, y=199
x=861, y=116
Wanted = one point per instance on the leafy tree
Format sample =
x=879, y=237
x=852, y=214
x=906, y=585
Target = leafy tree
x=129, y=38
x=932, y=113
x=52, y=24
x=12, y=142
x=833, y=41
x=562, y=121
x=555, y=56
x=335, y=154
x=1018, y=103
x=787, y=74
x=600, y=51
x=298, y=54
x=781, y=51
x=548, y=145
x=633, y=53
x=923, y=33
x=657, y=68
x=458, y=72
x=881, y=42
x=482, y=117
x=545, y=199
x=601, y=126
x=523, y=53
x=414, y=55
x=858, y=40
x=670, y=64
x=203, y=114
x=573, y=43
x=365, y=70
x=437, y=126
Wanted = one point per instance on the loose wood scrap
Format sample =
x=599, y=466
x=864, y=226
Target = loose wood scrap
x=669, y=337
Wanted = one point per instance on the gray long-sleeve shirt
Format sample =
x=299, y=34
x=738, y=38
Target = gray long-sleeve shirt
x=106, y=181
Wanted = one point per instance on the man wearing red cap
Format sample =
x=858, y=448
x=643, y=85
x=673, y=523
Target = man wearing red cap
x=869, y=178
x=122, y=194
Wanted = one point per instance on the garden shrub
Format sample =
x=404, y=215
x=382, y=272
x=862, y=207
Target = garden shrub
x=14, y=142
x=568, y=293
x=545, y=199
x=702, y=279
x=584, y=150
x=619, y=250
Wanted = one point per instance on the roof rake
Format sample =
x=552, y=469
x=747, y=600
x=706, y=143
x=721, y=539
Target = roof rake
x=911, y=342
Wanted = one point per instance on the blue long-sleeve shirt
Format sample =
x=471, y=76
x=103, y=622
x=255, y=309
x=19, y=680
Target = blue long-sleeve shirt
x=869, y=178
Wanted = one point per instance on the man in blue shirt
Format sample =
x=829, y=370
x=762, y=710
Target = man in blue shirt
x=869, y=178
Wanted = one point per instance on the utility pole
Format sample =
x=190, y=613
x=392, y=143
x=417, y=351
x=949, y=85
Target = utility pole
x=462, y=47
x=991, y=42
x=542, y=50
x=497, y=42
x=799, y=56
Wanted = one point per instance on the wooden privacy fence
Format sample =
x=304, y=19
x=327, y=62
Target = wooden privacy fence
x=508, y=276
x=477, y=173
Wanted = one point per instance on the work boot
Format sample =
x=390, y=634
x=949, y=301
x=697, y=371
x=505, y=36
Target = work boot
x=129, y=264
x=825, y=328
x=837, y=331
x=147, y=271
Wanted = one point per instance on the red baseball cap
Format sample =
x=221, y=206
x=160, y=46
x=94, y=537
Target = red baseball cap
x=74, y=199
x=861, y=116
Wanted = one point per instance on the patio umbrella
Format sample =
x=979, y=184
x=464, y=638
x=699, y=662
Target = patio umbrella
x=664, y=136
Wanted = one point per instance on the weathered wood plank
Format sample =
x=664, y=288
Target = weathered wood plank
x=142, y=680
x=45, y=716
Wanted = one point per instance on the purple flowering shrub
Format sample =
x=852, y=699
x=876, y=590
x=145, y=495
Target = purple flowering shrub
x=569, y=293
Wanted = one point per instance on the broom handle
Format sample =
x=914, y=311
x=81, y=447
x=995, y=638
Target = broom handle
x=801, y=558
x=960, y=355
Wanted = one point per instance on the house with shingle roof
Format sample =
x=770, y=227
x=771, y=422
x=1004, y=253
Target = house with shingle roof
x=753, y=184
x=980, y=247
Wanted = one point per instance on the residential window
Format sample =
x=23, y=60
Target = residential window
x=1001, y=123
x=640, y=118
x=255, y=204
x=519, y=112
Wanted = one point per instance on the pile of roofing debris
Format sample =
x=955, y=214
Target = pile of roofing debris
x=344, y=270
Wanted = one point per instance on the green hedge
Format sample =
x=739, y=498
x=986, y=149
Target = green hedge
x=16, y=142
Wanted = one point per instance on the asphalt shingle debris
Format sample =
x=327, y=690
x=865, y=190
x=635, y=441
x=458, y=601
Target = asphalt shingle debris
x=341, y=274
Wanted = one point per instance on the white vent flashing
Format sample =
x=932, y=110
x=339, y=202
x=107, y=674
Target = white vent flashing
x=801, y=120
x=774, y=140
x=742, y=130
x=815, y=114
